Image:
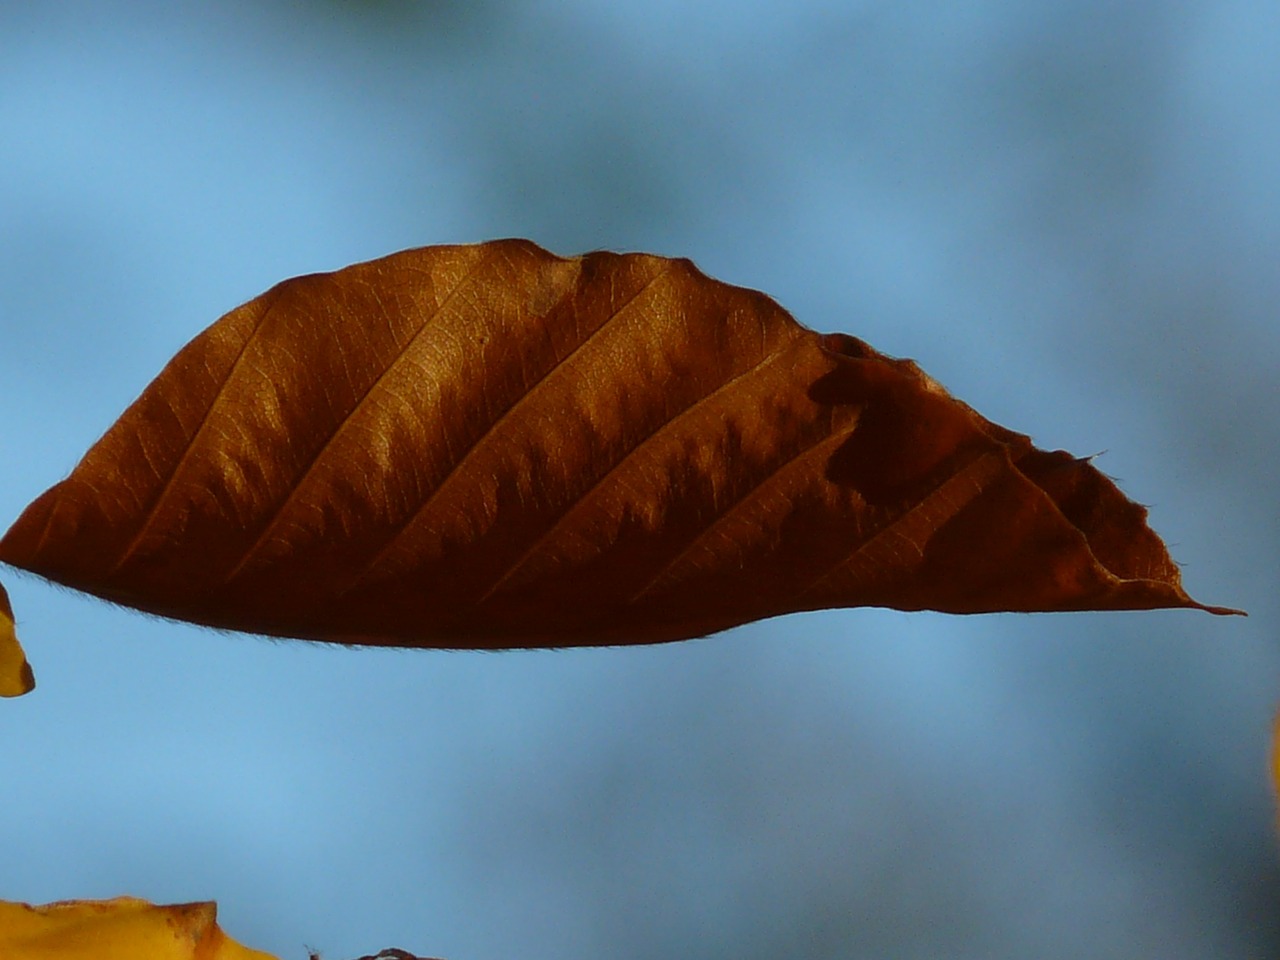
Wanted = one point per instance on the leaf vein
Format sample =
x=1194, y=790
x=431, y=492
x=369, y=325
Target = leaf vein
x=975, y=475
x=278, y=513
x=580, y=502
x=792, y=462
x=478, y=444
x=154, y=510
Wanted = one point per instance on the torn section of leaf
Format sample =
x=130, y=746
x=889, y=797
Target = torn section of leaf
x=16, y=677
x=492, y=446
x=124, y=928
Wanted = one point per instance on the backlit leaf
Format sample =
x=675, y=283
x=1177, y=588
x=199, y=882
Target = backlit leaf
x=491, y=446
x=124, y=928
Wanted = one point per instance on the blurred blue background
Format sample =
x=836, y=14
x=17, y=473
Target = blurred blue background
x=1067, y=212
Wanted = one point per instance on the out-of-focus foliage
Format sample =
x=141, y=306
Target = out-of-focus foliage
x=1275, y=757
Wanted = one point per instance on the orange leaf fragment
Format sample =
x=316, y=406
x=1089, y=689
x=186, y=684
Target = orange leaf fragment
x=492, y=446
x=1275, y=759
x=16, y=677
x=124, y=928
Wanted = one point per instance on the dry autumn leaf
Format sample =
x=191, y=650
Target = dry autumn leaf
x=492, y=446
x=124, y=928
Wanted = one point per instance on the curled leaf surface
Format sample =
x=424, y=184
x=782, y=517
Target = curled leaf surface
x=492, y=446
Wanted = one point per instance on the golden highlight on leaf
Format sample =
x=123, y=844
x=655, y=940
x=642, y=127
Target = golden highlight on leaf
x=16, y=677
x=492, y=446
x=124, y=928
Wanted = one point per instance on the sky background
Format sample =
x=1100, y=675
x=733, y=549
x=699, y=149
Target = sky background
x=1066, y=212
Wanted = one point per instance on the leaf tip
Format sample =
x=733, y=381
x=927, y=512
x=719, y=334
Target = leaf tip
x=1222, y=611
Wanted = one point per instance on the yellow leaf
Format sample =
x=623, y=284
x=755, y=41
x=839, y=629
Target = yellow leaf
x=16, y=677
x=125, y=928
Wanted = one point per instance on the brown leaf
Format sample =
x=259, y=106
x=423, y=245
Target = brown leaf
x=491, y=446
